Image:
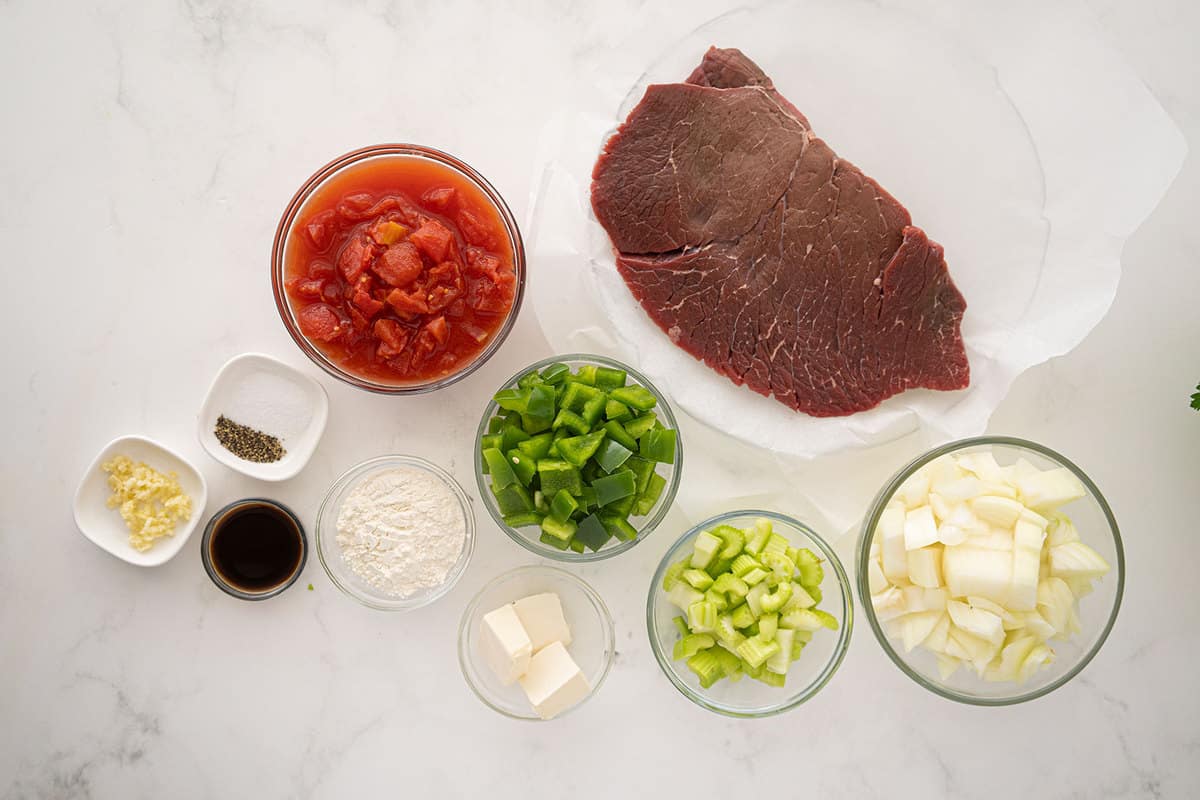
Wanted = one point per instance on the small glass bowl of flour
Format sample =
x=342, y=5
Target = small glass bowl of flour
x=395, y=532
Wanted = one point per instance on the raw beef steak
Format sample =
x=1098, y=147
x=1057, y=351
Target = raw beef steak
x=761, y=252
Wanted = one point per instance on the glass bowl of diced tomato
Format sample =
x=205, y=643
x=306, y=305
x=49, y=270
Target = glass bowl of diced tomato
x=578, y=457
x=398, y=269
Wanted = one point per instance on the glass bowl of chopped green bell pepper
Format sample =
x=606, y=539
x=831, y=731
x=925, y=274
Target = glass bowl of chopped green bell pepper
x=578, y=457
x=750, y=613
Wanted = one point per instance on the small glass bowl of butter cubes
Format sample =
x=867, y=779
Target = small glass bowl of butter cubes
x=535, y=643
x=991, y=570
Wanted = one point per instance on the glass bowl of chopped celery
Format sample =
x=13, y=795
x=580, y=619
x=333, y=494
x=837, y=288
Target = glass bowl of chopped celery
x=578, y=457
x=991, y=570
x=590, y=642
x=750, y=613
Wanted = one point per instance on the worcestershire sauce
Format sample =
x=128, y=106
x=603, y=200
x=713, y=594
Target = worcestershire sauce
x=256, y=547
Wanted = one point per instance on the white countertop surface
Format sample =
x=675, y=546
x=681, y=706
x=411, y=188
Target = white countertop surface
x=150, y=148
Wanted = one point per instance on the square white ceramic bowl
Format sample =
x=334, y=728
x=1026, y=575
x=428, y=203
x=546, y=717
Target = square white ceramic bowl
x=104, y=526
x=235, y=377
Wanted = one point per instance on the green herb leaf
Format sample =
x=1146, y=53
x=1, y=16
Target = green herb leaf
x=1196, y=398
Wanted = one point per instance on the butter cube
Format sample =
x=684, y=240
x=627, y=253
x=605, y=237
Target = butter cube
x=505, y=644
x=554, y=681
x=542, y=616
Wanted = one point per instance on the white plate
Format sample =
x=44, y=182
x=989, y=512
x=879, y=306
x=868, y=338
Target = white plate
x=299, y=444
x=104, y=526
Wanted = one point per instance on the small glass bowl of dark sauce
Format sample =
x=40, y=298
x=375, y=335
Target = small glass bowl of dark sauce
x=254, y=548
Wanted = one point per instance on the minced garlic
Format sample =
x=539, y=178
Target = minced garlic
x=150, y=502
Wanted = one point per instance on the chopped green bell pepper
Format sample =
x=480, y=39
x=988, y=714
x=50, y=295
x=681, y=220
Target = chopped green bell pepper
x=616, y=410
x=616, y=431
x=536, y=446
x=612, y=454
x=514, y=499
x=658, y=445
x=609, y=378
x=556, y=475
x=556, y=373
x=560, y=530
x=523, y=466
x=637, y=428
x=592, y=533
x=578, y=449
x=523, y=519
x=499, y=468
x=616, y=486
x=571, y=421
x=554, y=541
x=638, y=397
x=563, y=506
x=619, y=527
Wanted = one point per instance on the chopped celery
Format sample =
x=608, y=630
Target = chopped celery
x=755, y=576
x=704, y=549
x=771, y=678
x=683, y=596
x=768, y=624
x=801, y=598
x=717, y=599
x=756, y=650
x=776, y=544
x=827, y=619
x=754, y=598
x=757, y=537
x=733, y=538
x=702, y=616
x=778, y=563
x=801, y=619
x=774, y=601
x=707, y=666
x=680, y=624
x=743, y=617
x=698, y=579
x=779, y=662
x=674, y=573
x=728, y=583
x=811, y=573
x=743, y=564
x=691, y=644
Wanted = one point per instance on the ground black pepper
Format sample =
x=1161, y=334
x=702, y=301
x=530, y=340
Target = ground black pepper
x=248, y=443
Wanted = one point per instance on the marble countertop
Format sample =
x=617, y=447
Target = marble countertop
x=149, y=150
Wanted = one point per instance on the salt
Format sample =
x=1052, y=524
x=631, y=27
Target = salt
x=271, y=403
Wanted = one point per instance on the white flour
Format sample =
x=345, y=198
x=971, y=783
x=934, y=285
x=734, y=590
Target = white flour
x=401, y=530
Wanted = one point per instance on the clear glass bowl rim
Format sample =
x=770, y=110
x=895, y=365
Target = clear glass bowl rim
x=597, y=601
x=840, y=648
x=651, y=522
x=359, y=469
x=872, y=519
x=288, y=220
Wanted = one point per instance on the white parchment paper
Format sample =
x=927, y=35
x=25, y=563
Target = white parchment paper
x=1014, y=134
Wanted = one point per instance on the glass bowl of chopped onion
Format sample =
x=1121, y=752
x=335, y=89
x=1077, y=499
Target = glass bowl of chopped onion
x=655, y=489
x=991, y=570
x=750, y=614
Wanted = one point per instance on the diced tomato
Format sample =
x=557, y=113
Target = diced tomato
x=393, y=337
x=407, y=304
x=433, y=239
x=307, y=288
x=424, y=344
x=355, y=258
x=359, y=320
x=474, y=230
x=440, y=198
x=368, y=305
x=320, y=322
x=320, y=228
x=399, y=265
x=437, y=327
x=400, y=273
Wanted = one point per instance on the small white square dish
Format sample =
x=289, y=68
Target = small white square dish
x=105, y=527
x=267, y=395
